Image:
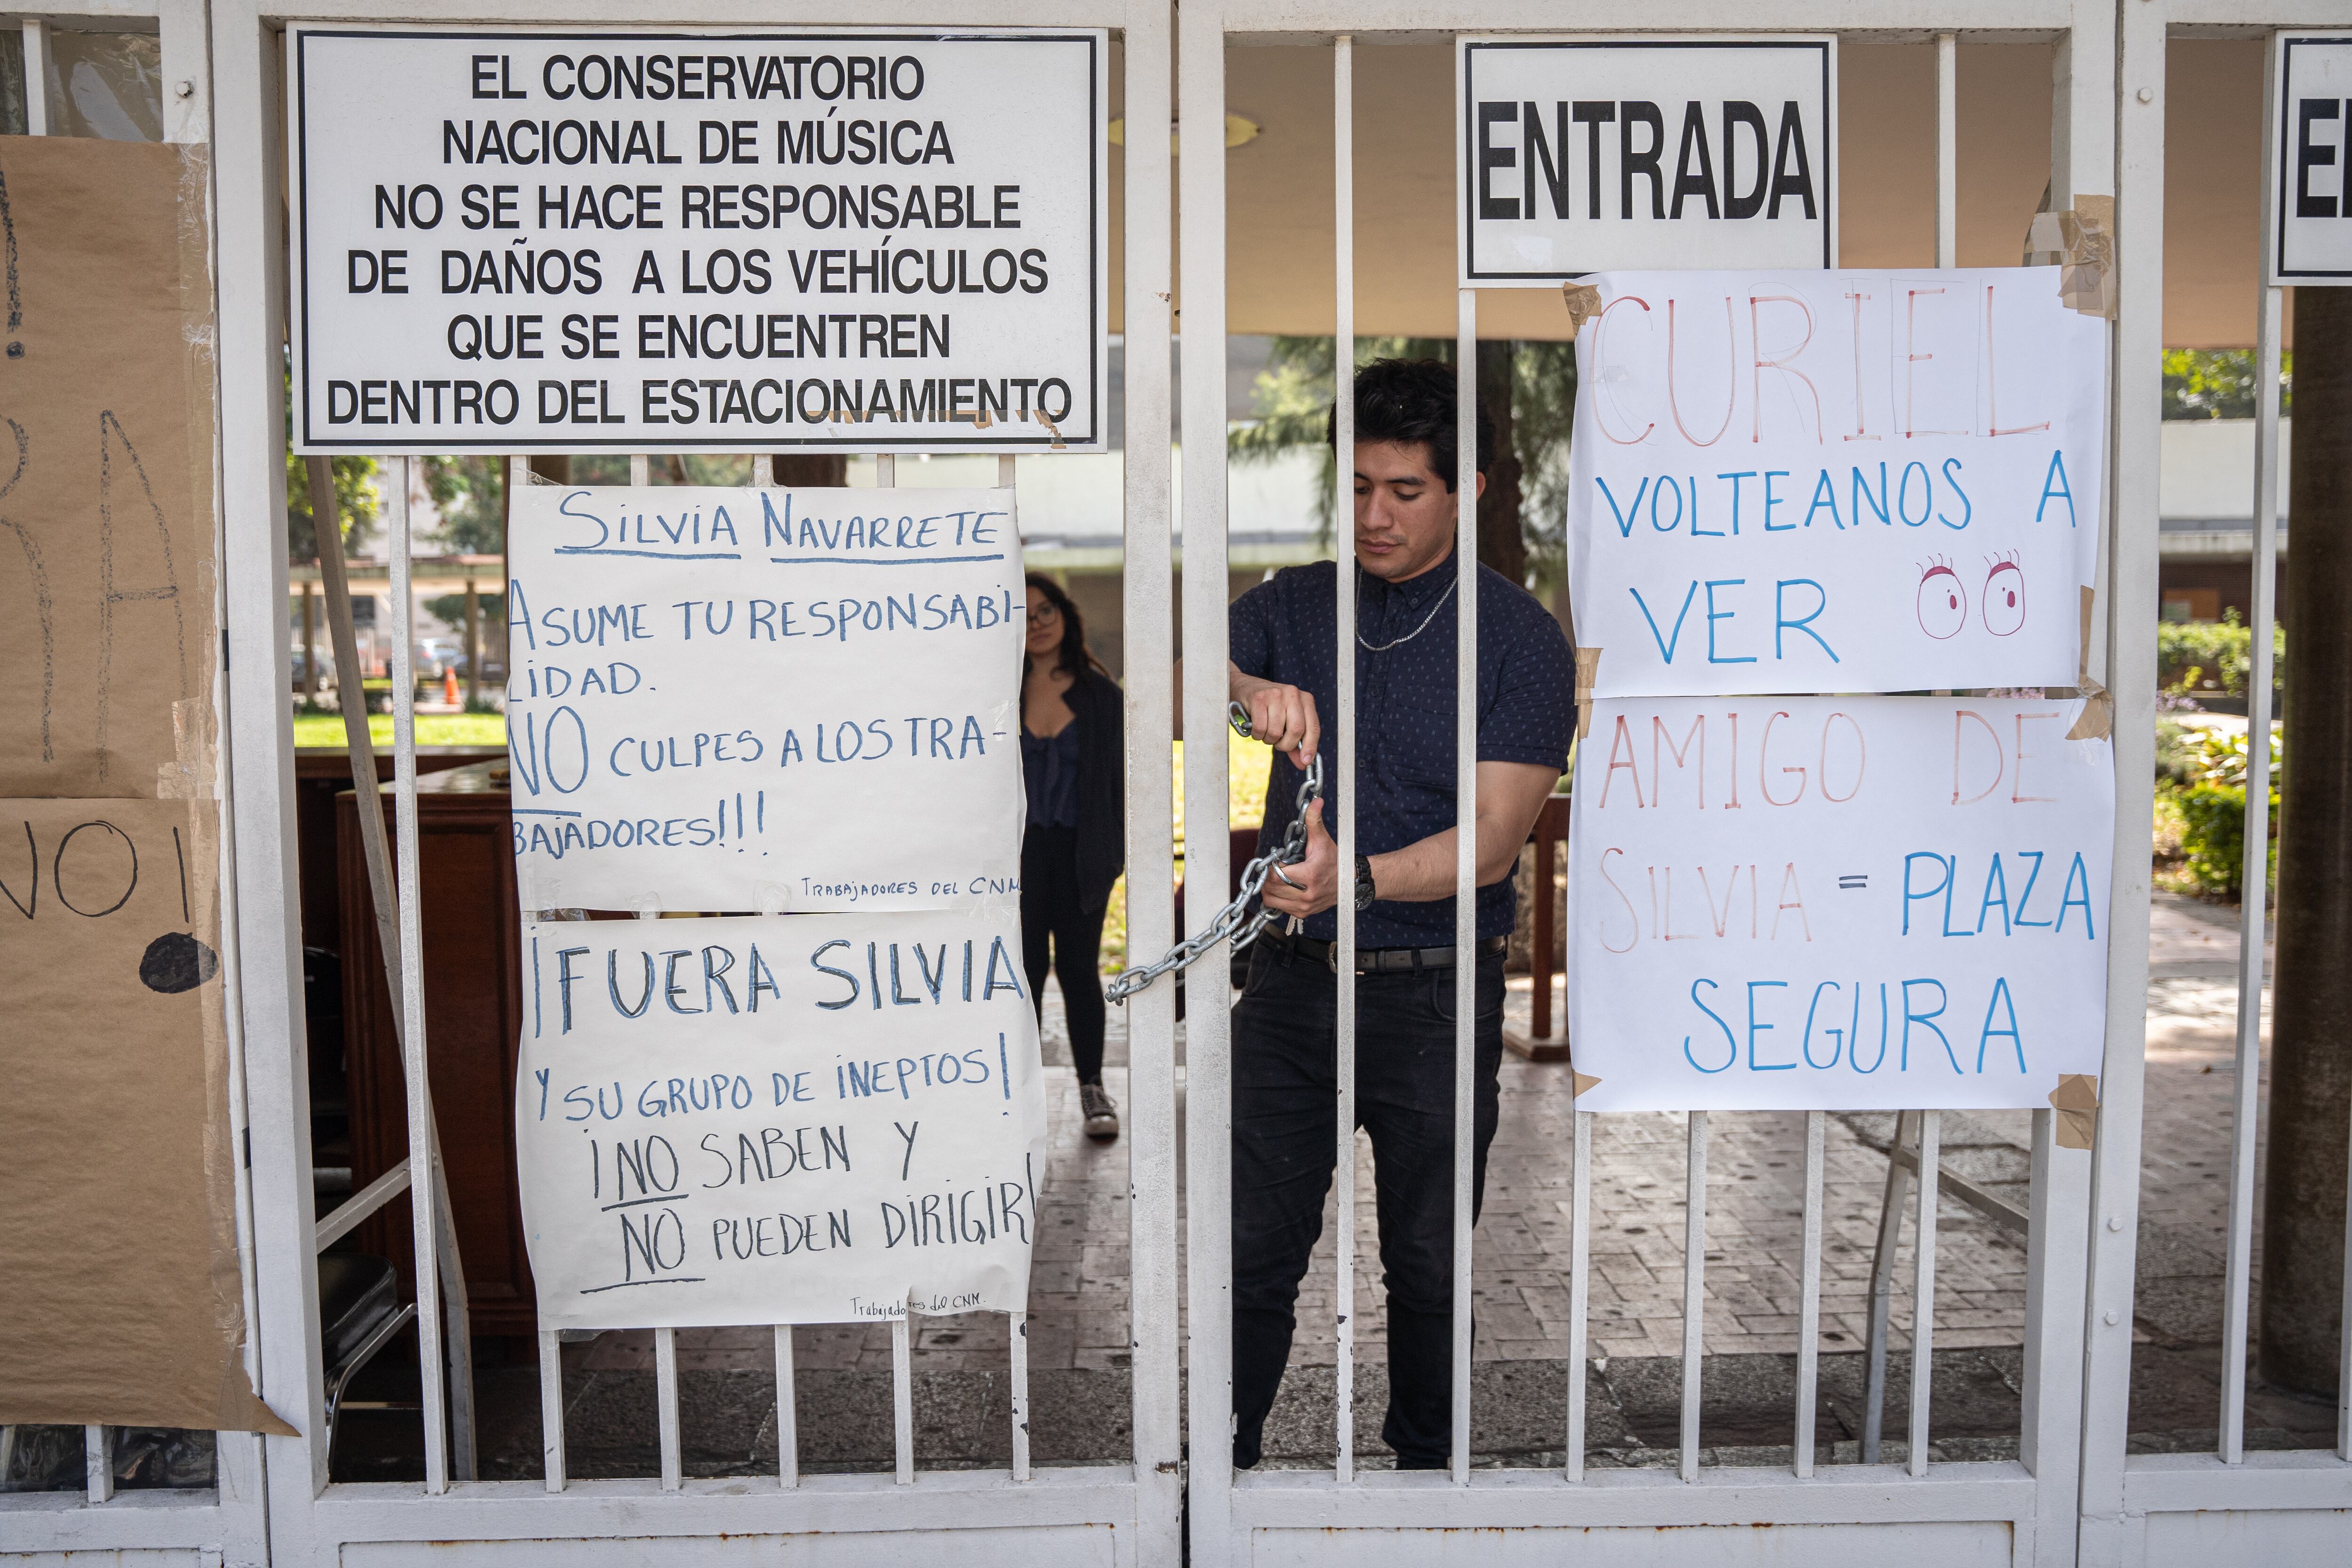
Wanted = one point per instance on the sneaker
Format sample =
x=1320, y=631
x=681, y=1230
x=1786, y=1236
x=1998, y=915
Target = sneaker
x=1101, y=1112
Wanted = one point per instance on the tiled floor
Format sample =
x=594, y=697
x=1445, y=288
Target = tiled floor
x=1756, y=1161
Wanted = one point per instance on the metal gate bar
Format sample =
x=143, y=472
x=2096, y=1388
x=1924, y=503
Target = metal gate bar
x=1343, y=736
x=1466, y=845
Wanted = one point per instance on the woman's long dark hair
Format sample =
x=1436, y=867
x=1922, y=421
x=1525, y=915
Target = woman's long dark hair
x=1074, y=658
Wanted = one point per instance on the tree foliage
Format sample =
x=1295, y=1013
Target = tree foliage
x=470, y=494
x=2218, y=384
x=356, y=500
x=1291, y=404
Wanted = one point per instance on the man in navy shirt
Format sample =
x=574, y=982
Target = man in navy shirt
x=1284, y=671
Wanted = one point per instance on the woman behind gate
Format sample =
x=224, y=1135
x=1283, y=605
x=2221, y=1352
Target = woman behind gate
x=1072, y=761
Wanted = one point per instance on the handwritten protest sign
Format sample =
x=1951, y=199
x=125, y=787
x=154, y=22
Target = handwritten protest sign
x=764, y=699
x=1834, y=482
x=792, y=1120
x=106, y=472
x=117, y=1263
x=1814, y=903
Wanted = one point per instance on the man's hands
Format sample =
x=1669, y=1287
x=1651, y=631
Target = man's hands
x=1313, y=885
x=1282, y=716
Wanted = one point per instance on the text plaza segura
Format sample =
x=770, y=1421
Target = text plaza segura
x=1854, y=482
x=850, y=240
x=798, y=707
x=1800, y=902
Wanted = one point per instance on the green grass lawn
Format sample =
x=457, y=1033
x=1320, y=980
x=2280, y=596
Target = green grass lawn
x=432, y=730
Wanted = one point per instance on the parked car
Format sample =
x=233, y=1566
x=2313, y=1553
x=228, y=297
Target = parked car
x=434, y=657
x=324, y=671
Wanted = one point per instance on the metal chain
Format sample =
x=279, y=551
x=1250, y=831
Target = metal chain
x=1234, y=920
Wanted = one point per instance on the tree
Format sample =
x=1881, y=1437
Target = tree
x=356, y=498
x=2218, y=384
x=1292, y=406
x=470, y=493
x=2311, y=1049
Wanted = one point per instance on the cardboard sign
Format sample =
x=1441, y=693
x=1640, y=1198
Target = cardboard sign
x=1578, y=155
x=106, y=474
x=118, y=1264
x=772, y=700
x=2311, y=121
x=1837, y=903
x=664, y=242
x=801, y=1120
x=1844, y=481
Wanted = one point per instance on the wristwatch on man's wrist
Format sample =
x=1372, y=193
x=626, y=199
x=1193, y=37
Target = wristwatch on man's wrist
x=1364, y=891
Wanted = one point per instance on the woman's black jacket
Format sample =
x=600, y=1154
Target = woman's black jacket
x=1099, y=709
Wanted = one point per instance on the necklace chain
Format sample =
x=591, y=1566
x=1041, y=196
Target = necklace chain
x=1400, y=642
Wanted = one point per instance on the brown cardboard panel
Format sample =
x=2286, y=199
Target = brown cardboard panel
x=118, y=1253
x=106, y=484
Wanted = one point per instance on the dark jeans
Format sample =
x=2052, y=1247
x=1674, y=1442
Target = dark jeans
x=1050, y=906
x=1284, y=1132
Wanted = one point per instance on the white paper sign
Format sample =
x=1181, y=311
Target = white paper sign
x=661, y=241
x=2312, y=122
x=773, y=701
x=1837, y=903
x=1580, y=154
x=1834, y=482
x=808, y=1119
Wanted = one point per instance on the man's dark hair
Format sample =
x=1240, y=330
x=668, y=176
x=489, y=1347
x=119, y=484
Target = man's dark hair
x=1410, y=402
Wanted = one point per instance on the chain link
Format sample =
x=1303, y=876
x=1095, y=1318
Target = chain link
x=1234, y=920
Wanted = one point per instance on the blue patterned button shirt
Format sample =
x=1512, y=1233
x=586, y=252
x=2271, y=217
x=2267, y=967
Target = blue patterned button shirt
x=1286, y=630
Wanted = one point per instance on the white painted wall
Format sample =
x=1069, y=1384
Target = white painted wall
x=2206, y=471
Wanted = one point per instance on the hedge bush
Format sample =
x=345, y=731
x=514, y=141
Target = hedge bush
x=2211, y=656
x=2213, y=808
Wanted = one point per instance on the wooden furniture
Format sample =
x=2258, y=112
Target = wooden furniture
x=473, y=1012
x=1543, y=1042
x=321, y=774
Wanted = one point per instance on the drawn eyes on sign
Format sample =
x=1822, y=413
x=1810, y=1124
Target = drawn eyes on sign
x=1943, y=603
x=2004, y=596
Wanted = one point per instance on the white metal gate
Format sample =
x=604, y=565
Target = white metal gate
x=1125, y=1509
x=2229, y=1505
x=2071, y=1495
x=228, y=1522
x=2021, y=1510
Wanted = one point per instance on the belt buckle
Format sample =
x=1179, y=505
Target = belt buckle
x=1331, y=956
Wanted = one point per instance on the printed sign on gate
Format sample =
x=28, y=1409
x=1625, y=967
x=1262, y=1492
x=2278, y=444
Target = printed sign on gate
x=801, y=1118
x=1834, y=482
x=1578, y=155
x=1837, y=903
x=660, y=241
x=779, y=699
x=2312, y=123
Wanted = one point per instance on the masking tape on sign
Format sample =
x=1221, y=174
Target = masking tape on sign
x=1583, y=301
x=2097, y=719
x=2076, y=1102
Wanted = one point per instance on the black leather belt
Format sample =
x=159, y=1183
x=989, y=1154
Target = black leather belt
x=1375, y=960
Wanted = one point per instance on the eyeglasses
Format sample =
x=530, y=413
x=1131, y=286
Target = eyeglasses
x=1045, y=615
